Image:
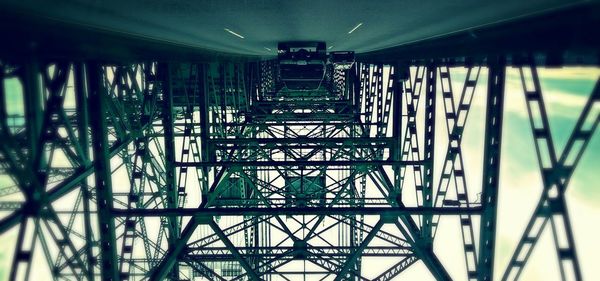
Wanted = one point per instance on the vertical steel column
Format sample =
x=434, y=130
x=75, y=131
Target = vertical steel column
x=104, y=196
x=355, y=78
x=164, y=71
x=28, y=229
x=401, y=73
x=204, y=125
x=81, y=100
x=170, y=258
x=429, y=139
x=491, y=167
x=33, y=105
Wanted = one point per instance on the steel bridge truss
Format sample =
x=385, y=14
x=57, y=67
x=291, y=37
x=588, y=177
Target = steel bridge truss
x=213, y=170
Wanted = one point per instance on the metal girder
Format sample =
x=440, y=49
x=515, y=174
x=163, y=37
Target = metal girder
x=358, y=251
x=410, y=150
x=66, y=186
x=29, y=223
x=136, y=159
x=104, y=198
x=422, y=245
x=425, y=254
x=31, y=172
x=397, y=79
x=243, y=262
x=59, y=135
x=453, y=167
x=206, y=251
x=396, y=269
x=41, y=130
x=296, y=163
x=271, y=190
x=556, y=173
x=428, y=152
x=220, y=211
x=83, y=122
x=491, y=169
x=172, y=254
x=410, y=143
x=163, y=72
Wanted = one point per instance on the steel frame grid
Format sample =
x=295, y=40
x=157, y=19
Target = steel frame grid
x=142, y=103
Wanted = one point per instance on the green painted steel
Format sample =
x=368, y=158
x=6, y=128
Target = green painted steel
x=216, y=170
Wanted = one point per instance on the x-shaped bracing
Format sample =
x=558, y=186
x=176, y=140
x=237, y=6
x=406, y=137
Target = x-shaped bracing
x=556, y=174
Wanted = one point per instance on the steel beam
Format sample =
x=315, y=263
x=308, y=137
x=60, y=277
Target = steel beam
x=341, y=275
x=83, y=121
x=556, y=174
x=104, y=198
x=428, y=157
x=164, y=72
x=259, y=171
x=66, y=186
x=243, y=262
x=422, y=247
x=29, y=223
x=291, y=211
x=491, y=167
x=291, y=163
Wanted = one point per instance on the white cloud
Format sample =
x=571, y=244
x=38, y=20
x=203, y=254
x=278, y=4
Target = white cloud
x=562, y=102
x=567, y=73
x=570, y=73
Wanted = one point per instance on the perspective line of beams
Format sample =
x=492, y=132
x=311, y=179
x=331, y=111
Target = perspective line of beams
x=252, y=211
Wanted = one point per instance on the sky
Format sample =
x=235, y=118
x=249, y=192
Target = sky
x=565, y=91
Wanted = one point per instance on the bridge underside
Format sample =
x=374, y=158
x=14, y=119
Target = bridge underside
x=136, y=159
